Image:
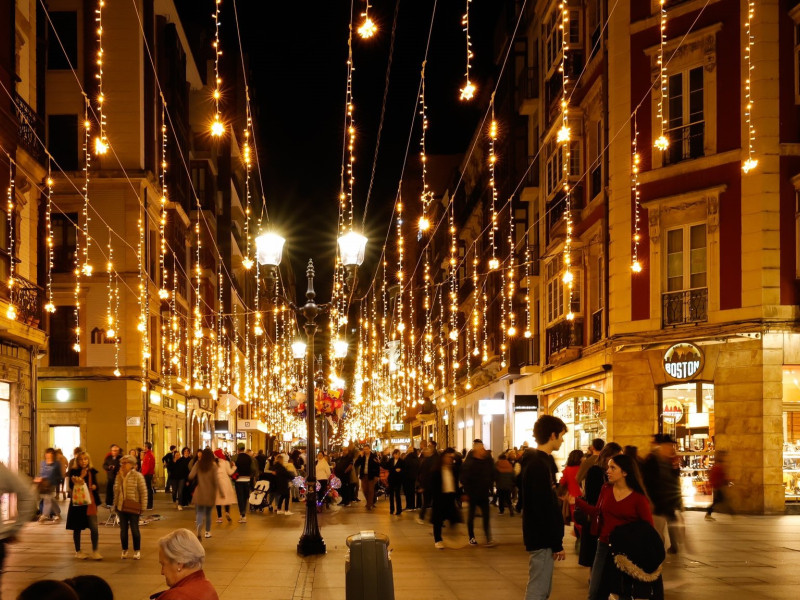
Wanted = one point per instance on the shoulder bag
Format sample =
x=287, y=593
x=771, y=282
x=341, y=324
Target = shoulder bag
x=131, y=507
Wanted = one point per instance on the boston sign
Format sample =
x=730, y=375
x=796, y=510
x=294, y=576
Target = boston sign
x=683, y=361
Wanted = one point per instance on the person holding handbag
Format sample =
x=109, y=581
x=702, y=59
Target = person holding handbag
x=130, y=495
x=84, y=500
x=622, y=500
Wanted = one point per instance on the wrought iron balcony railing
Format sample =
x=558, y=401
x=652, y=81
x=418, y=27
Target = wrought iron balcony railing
x=685, y=306
x=30, y=130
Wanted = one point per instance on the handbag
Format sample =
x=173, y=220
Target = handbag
x=81, y=495
x=596, y=522
x=131, y=507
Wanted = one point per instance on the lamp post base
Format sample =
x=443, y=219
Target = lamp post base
x=310, y=545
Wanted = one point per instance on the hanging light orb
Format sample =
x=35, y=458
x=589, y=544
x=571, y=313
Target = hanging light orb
x=217, y=127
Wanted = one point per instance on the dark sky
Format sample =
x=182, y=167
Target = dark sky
x=297, y=53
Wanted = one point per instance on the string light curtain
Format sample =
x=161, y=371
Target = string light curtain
x=469, y=89
x=368, y=28
x=48, y=223
x=636, y=266
x=100, y=142
x=563, y=138
x=751, y=162
x=10, y=210
x=217, y=126
x=662, y=142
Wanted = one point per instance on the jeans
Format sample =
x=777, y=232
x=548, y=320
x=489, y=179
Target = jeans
x=177, y=489
x=540, y=574
x=474, y=503
x=394, y=499
x=596, y=583
x=200, y=513
x=50, y=505
x=242, y=495
x=148, y=481
x=95, y=537
x=127, y=520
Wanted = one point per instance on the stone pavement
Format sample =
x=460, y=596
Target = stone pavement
x=748, y=555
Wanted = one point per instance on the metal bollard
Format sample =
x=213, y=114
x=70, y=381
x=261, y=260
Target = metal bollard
x=368, y=567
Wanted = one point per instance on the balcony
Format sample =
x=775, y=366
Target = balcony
x=28, y=300
x=564, y=341
x=597, y=326
x=684, y=307
x=30, y=130
x=685, y=143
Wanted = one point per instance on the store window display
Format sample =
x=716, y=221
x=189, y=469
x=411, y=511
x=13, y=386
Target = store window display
x=686, y=413
x=585, y=420
x=791, y=433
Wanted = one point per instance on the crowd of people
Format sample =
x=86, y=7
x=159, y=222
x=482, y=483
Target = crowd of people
x=624, y=510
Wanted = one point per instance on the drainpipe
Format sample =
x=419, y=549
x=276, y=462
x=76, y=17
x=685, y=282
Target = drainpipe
x=33, y=352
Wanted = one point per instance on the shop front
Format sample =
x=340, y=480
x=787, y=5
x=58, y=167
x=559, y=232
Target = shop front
x=583, y=412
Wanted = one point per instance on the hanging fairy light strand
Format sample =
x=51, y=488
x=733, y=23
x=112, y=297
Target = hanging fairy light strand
x=368, y=28
x=493, y=262
x=163, y=292
x=100, y=142
x=48, y=223
x=563, y=138
x=636, y=266
x=10, y=210
x=751, y=162
x=86, y=267
x=469, y=89
x=217, y=126
x=247, y=261
x=662, y=142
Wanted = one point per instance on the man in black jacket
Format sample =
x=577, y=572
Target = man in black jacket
x=542, y=523
x=111, y=467
x=396, y=467
x=410, y=472
x=477, y=477
x=368, y=466
x=169, y=461
x=247, y=470
x=429, y=458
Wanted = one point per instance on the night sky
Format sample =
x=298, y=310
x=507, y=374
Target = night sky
x=297, y=52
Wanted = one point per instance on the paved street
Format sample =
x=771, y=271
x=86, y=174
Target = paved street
x=752, y=556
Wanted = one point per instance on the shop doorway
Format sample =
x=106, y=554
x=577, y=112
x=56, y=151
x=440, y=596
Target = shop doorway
x=65, y=438
x=686, y=412
x=584, y=417
x=5, y=445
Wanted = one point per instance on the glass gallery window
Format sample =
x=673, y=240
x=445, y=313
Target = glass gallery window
x=791, y=433
x=585, y=422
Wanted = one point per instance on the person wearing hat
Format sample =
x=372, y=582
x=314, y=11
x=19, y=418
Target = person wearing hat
x=661, y=475
x=247, y=469
x=477, y=477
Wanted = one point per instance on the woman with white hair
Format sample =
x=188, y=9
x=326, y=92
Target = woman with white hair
x=181, y=556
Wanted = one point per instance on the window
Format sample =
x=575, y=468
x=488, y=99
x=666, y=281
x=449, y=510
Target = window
x=685, y=118
x=797, y=64
x=64, y=241
x=555, y=289
x=62, y=337
x=686, y=296
x=62, y=139
x=597, y=165
x=62, y=41
x=555, y=159
x=595, y=25
x=553, y=37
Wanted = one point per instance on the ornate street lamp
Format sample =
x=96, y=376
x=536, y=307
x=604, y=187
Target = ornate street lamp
x=269, y=248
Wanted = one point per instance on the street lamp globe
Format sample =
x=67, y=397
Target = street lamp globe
x=340, y=348
x=299, y=349
x=351, y=249
x=269, y=249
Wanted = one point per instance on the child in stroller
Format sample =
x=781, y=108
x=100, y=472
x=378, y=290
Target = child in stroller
x=259, y=497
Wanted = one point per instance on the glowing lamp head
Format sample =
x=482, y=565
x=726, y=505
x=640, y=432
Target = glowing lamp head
x=111, y=333
x=117, y=373
x=340, y=348
x=76, y=347
x=570, y=316
x=567, y=277
x=468, y=91
x=494, y=264
x=563, y=135
x=527, y=334
x=217, y=127
x=50, y=307
x=11, y=313
x=247, y=263
x=749, y=165
x=512, y=331
x=424, y=224
x=367, y=28
x=453, y=335
x=100, y=146
x=636, y=267
x=662, y=143
x=351, y=249
x=163, y=294
x=298, y=349
x=269, y=249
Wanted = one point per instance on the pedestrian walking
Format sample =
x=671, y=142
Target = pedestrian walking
x=542, y=523
x=590, y=459
x=225, y=492
x=443, y=485
x=369, y=470
x=622, y=500
x=11, y=483
x=719, y=482
x=204, y=473
x=661, y=476
x=149, y=470
x=246, y=474
x=410, y=472
x=396, y=468
x=47, y=481
x=281, y=478
x=84, y=500
x=130, y=497
x=111, y=467
x=168, y=461
x=429, y=458
x=504, y=482
x=323, y=473
x=342, y=468
x=181, y=558
x=180, y=475
x=477, y=477
x=62, y=485
x=568, y=486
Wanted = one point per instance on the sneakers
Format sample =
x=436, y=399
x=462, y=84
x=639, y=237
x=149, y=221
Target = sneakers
x=490, y=544
x=288, y=512
x=81, y=555
x=473, y=542
x=220, y=520
x=243, y=520
x=180, y=507
x=710, y=518
x=228, y=516
x=43, y=519
x=280, y=512
x=137, y=555
x=124, y=554
x=95, y=555
x=208, y=534
x=419, y=521
x=439, y=545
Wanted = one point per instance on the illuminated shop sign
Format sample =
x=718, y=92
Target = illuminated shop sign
x=673, y=411
x=683, y=361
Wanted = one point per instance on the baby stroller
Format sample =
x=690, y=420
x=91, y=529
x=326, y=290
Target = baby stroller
x=258, y=497
x=382, y=484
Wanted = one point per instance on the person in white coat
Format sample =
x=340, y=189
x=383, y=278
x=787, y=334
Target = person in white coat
x=225, y=492
x=323, y=472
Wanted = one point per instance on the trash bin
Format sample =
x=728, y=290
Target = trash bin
x=368, y=568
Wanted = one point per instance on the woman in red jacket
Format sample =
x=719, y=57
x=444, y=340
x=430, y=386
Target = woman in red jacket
x=622, y=500
x=181, y=557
